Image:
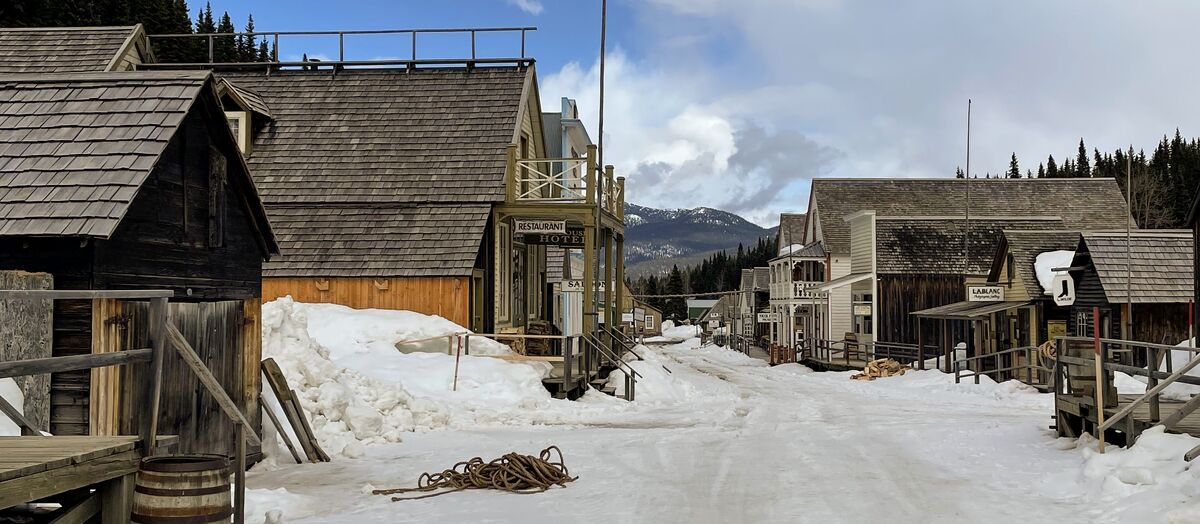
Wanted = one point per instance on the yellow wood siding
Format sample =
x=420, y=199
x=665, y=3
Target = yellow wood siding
x=108, y=336
x=448, y=297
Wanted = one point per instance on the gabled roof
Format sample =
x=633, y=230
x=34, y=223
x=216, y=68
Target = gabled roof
x=62, y=49
x=762, y=278
x=936, y=245
x=245, y=98
x=385, y=136
x=387, y=241
x=75, y=148
x=1160, y=262
x=812, y=250
x=1025, y=246
x=1080, y=203
x=791, y=229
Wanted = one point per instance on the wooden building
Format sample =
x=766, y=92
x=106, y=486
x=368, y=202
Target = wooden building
x=133, y=180
x=896, y=246
x=796, y=276
x=1141, y=283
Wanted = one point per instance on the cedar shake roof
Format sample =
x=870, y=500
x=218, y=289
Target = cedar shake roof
x=791, y=229
x=365, y=241
x=936, y=245
x=1160, y=262
x=75, y=148
x=61, y=49
x=384, y=136
x=1025, y=246
x=1080, y=203
x=762, y=278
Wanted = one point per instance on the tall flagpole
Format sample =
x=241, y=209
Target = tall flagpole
x=598, y=176
x=967, y=181
x=1128, y=241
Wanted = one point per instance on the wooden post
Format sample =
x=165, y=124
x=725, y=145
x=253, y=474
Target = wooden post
x=1099, y=384
x=510, y=170
x=946, y=349
x=610, y=190
x=590, y=177
x=457, y=357
x=619, y=255
x=920, y=344
x=609, y=293
x=239, y=476
x=589, y=275
x=621, y=202
x=1151, y=381
x=279, y=427
x=159, y=319
x=116, y=499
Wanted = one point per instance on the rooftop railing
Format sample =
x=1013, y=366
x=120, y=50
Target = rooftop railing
x=211, y=44
x=574, y=180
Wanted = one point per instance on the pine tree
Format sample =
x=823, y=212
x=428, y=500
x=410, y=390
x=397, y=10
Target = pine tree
x=264, y=54
x=225, y=48
x=245, y=43
x=1041, y=171
x=1014, y=170
x=958, y=173
x=1051, y=168
x=1081, y=162
x=676, y=307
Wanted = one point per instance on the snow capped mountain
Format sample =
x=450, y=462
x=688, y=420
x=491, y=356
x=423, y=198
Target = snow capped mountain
x=657, y=238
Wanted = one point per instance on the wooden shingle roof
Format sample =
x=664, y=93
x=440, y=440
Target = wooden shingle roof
x=935, y=246
x=1025, y=246
x=385, y=136
x=60, y=49
x=366, y=241
x=791, y=229
x=1160, y=262
x=1081, y=203
x=75, y=148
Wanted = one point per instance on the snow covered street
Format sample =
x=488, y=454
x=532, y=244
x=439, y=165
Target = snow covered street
x=722, y=437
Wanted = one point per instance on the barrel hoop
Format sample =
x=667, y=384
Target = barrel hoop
x=176, y=465
x=181, y=492
x=193, y=519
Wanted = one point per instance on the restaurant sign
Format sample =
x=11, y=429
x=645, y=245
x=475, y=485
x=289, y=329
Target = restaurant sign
x=985, y=294
x=532, y=227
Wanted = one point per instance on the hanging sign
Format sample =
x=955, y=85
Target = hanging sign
x=572, y=286
x=1063, y=289
x=627, y=318
x=573, y=237
x=862, y=310
x=767, y=318
x=522, y=226
x=985, y=294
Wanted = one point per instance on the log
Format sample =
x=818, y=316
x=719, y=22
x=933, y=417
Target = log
x=38, y=366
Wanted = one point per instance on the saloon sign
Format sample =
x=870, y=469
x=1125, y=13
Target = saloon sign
x=533, y=227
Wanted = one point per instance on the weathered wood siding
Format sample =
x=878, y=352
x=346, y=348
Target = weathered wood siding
x=171, y=239
x=26, y=331
x=215, y=330
x=447, y=297
x=70, y=392
x=109, y=335
x=900, y=295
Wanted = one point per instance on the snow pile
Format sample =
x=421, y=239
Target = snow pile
x=357, y=388
x=673, y=333
x=12, y=394
x=790, y=249
x=275, y=506
x=919, y=384
x=1047, y=261
x=1150, y=477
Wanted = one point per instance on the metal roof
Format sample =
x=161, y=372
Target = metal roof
x=968, y=310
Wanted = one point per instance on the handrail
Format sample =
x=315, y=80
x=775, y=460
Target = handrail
x=1124, y=412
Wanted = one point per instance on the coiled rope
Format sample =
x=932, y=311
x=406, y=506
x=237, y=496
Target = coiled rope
x=514, y=473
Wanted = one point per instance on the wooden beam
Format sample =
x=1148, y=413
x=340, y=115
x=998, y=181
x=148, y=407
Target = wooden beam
x=291, y=409
x=82, y=294
x=159, y=319
x=37, y=366
x=60, y=480
x=15, y=415
x=116, y=499
x=209, y=381
x=279, y=427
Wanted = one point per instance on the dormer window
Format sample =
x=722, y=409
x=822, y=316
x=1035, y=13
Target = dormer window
x=239, y=123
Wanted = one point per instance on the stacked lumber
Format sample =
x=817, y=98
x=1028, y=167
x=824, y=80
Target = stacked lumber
x=879, y=368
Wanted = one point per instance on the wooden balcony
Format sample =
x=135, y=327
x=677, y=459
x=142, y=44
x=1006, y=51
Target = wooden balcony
x=797, y=290
x=564, y=181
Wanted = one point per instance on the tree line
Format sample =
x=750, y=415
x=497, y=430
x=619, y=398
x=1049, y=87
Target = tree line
x=720, y=271
x=157, y=16
x=1163, y=183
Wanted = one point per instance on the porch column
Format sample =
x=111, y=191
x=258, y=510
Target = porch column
x=589, y=277
x=609, y=293
x=619, y=255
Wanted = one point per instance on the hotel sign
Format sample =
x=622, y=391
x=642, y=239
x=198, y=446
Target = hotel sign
x=985, y=294
x=573, y=237
x=533, y=227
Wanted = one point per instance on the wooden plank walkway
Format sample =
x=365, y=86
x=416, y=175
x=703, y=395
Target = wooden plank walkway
x=34, y=468
x=1083, y=407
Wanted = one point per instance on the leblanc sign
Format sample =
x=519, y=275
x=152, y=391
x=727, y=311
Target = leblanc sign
x=985, y=294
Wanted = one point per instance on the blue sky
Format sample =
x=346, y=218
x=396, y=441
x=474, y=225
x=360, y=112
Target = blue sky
x=738, y=104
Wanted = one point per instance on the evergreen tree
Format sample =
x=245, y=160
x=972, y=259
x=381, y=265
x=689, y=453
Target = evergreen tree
x=245, y=43
x=264, y=54
x=225, y=48
x=1014, y=170
x=1081, y=162
x=1051, y=168
x=958, y=173
x=675, y=307
x=1041, y=171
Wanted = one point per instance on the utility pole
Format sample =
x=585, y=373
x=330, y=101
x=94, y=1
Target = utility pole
x=967, y=181
x=599, y=174
x=1128, y=241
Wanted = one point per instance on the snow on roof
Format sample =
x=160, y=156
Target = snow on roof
x=1045, y=262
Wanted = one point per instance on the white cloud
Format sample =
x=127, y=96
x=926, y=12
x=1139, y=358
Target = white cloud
x=878, y=88
x=533, y=7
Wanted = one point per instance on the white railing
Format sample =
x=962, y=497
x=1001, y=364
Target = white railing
x=536, y=180
x=799, y=290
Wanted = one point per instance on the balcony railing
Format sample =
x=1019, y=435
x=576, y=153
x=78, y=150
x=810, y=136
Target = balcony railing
x=564, y=181
x=800, y=290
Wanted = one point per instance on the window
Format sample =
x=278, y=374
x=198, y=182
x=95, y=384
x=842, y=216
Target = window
x=217, y=180
x=504, y=283
x=239, y=123
x=1009, y=265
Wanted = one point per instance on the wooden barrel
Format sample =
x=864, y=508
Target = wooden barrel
x=182, y=489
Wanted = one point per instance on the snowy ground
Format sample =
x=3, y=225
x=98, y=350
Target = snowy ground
x=714, y=436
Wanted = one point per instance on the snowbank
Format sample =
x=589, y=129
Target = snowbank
x=11, y=393
x=673, y=333
x=357, y=388
x=1047, y=261
x=1150, y=478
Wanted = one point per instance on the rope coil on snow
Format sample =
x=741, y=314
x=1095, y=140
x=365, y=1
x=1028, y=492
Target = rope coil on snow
x=514, y=473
